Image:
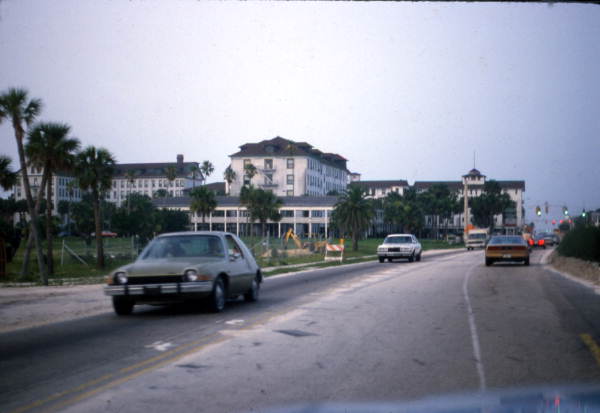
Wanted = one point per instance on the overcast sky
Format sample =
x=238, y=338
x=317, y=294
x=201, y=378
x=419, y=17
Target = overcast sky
x=402, y=90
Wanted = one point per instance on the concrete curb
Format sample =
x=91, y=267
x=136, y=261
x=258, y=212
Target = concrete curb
x=549, y=267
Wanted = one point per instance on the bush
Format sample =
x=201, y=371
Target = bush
x=582, y=242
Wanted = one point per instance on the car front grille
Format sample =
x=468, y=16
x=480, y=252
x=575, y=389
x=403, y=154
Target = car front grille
x=158, y=279
x=394, y=249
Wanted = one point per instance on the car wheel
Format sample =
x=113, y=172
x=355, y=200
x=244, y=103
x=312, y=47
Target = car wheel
x=488, y=262
x=254, y=291
x=419, y=257
x=389, y=259
x=526, y=262
x=411, y=258
x=123, y=305
x=381, y=259
x=216, y=303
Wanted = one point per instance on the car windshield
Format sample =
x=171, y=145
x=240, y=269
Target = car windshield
x=507, y=240
x=477, y=236
x=183, y=247
x=398, y=240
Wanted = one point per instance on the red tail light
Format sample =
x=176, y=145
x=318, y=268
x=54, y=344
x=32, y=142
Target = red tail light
x=541, y=242
x=530, y=241
x=494, y=248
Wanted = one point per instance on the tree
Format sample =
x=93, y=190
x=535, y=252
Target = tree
x=49, y=147
x=130, y=176
x=8, y=178
x=161, y=193
x=16, y=106
x=94, y=169
x=230, y=176
x=137, y=219
x=171, y=173
x=491, y=202
x=168, y=220
x=404, y=211
x=439, y=202
x=203, y=202
x=352, y=213
x=207, y=168
x=261, y=205
x=250, y=171
x=82, y=213
x=195, y=170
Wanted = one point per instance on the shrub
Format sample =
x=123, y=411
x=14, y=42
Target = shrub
x=582, y=242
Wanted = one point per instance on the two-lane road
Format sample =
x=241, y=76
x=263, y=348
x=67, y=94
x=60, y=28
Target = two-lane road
x=379, y=332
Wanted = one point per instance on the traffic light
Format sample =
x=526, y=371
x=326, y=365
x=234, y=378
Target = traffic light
x=565, y=211
x=538, y=211
x=583, y=213
x=553, y=222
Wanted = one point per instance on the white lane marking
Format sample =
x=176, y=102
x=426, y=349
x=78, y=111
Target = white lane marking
x=160, y=346
x=234, y=322
x=473, y=328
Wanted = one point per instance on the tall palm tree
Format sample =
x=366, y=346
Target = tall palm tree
x=261, y=205
x=207, y=168
x=171, y=173
x=230, y=176
x=94, y=168
x=203, y=202
x=130, y=176
x=250, y=171
x=8, y=178
x=49, y=147
x=353, y=213
x=195, y=171
x=16, y=106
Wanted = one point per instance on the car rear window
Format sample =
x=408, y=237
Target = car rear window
x=398, y=240
x=507, y=240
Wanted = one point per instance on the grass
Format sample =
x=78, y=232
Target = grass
x=119, y=251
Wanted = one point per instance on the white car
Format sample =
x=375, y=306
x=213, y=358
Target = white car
x=400, y=246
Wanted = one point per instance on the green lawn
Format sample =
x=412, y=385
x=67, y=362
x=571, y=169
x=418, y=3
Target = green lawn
x=120, y=251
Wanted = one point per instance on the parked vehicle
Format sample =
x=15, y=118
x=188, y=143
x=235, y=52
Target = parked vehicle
x=506, y=248
x=476, y=238
x=205, y=265
x=400, y=246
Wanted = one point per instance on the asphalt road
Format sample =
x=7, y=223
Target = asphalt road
x=368, y=332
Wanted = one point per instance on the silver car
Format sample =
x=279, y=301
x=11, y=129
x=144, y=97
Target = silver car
x=208, y=266
x=400, y=246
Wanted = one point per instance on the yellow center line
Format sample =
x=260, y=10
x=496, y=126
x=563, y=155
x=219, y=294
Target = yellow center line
x=594, y=348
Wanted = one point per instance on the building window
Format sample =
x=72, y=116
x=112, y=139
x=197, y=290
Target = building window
x=290, y=179
x=287, y=213
x=290, y=163
x=231, y=213
x=318, y=214
x=246, y=180
x=268, y=179
x=218, y=213
x=268, y=163
x=289, y=192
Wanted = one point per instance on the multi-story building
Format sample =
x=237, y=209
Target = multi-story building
x=63, y=186
x=307, y=216
x=148, y=178
x=380, y=189
x=289, y=168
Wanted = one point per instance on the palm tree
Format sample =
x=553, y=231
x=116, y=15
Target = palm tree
x=230, y=176
x=16, y=106
x=207, y=168
x=94, y=168
x=203, y=202
x=250, y=171
x=353, y=213
x=130, y=176
x=171, y=173
x=161, y=193
x=8, y=178
x=195, y=171
x=261, y=205
x=50, y=148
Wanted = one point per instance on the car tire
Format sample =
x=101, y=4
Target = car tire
x=253, y=293
x=411, y=258
x=526, y=262
x=419, y=257
x=488, y=262
x=381, y=259
x=389, y=259
x=218, y=296
x=123, y=305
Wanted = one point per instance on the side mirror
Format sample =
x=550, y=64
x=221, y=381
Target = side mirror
x=235, y=256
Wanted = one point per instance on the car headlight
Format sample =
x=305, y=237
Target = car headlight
x=382, y=249
x=190, y=275
x=120, y=278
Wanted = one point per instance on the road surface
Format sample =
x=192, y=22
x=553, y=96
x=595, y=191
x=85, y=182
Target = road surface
x=369, y=332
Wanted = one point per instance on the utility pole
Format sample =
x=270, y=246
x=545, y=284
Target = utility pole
x=466, y=208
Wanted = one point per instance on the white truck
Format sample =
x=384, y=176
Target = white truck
x=476, y=238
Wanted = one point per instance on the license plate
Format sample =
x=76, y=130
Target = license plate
x=507, y=256
x=152, y=290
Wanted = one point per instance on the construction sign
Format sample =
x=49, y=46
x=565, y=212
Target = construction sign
x=334, y=252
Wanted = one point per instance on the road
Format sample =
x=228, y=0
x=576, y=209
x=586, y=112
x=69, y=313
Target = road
x=367, y=332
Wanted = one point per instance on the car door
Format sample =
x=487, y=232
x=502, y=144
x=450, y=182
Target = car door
x=238, y=267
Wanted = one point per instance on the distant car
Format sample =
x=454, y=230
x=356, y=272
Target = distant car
x=106, y=234
x=506, y=248
x=549, y=238
x=476, y=238
x=400, y=246
x=206, y=266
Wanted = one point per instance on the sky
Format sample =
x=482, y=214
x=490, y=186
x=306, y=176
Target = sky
x=403, y=90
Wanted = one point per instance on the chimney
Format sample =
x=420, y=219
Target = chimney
x=180, y=160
